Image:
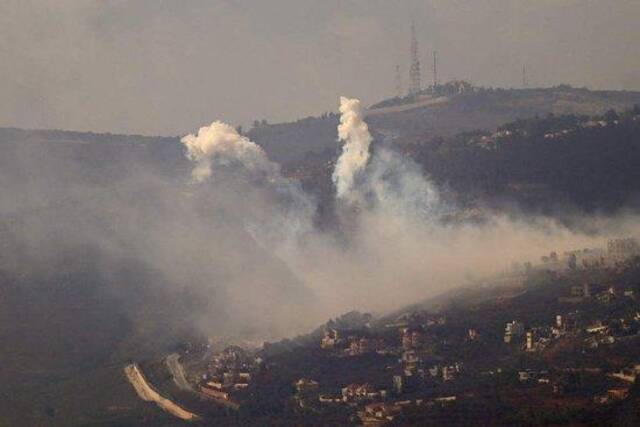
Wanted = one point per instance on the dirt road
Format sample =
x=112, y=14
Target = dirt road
x=177, y=371
x=147, y=393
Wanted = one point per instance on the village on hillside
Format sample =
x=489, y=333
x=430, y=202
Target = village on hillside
x=558, y=338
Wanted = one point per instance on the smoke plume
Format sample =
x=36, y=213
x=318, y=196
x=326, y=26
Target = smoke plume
x=213, y=226
x=355, y=152
x=222, y=144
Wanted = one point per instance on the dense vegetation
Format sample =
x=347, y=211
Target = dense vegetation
x=590, y=163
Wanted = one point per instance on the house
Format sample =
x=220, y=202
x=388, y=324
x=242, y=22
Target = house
x=358, y=346
x=306, y=386
x=612, y=395
x=621, y=249
x=404, y=383
x=597, y=328
x=617, y=393
x=381, y=411
x=449, y=372
x=330, y=338
x=445, y=399
x=354, y=392
x=513, y=330
x=411, y=338
x=215, y=383
x=410, y=358
x=627, y=374
x=529, y=345
x=328, y=398
x=434, y=370
x=210, y=391
x=541, y=377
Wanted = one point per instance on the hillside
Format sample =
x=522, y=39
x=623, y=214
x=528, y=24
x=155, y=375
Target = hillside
x=511, y=350
x=74, y=312
x=448, y=114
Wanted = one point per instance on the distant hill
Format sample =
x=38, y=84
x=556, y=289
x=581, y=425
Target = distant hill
x=69, y=325
x=441, y=114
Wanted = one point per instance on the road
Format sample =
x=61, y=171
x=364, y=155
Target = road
x=177, y=371
x=179, y=377
x=148, y=394
x=427, y=102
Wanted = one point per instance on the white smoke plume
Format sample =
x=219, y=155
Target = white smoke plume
x=272, y=209
x=397, y=248
x=385, y=182
x=355, y=152
x=220, y=143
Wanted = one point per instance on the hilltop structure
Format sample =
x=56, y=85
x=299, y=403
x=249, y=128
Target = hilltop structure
x=415, y=84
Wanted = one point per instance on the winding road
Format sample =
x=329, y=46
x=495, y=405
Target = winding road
x=147, y=393
x=177, y=371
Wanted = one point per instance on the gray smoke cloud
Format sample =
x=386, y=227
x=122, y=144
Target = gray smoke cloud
x=394, y=246
x=217, y=240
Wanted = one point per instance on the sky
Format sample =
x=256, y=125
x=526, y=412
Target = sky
x=160, y=67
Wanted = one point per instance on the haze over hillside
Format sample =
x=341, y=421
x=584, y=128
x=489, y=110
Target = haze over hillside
x=183, y=182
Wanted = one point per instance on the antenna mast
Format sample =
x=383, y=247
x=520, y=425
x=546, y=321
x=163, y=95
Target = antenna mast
x=398, y=82
x=414, y=72
x=435, y=69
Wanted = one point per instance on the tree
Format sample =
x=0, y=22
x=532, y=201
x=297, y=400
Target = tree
x=610, y=116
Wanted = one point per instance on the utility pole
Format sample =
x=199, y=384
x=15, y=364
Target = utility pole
x=525, y=82
x=435, y=70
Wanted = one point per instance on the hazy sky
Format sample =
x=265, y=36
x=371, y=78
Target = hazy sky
x=167, y=67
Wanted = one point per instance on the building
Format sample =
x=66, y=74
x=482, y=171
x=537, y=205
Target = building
x=403, y=383
x=512, y=331
x=559, y=322
x=612, y=395
x=211, y=390
x=330, y=339
x=328, y=398
x=621, y=249
x=356, y=392
x=411, y=338
x=449, y=372
x=307, y=386
x=530, y=342
x=627, y=374
x=358, y=346
x=381, y=411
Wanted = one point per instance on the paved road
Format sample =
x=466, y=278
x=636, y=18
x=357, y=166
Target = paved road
x=147, y=393
x=177, y=371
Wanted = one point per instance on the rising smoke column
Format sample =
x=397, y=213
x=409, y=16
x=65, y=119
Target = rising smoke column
x=355, y=152
x=386, y=181
x=286, y=211
x=221, y=143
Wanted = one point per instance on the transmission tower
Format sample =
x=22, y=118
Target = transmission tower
x=399, y=92
x=414, y=71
